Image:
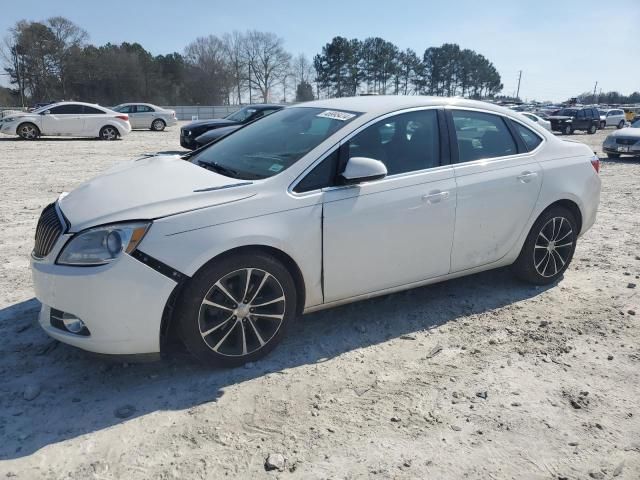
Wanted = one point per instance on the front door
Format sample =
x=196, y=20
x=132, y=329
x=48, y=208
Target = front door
x=497, y=183
x=398, y=230
x=65, y=119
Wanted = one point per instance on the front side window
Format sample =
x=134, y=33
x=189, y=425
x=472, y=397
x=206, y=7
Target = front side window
x=404, y=143
x=69, y=109
x=323, y=175
x=242, y=115
x=567, y=112
x=270, y=146
x=530, y=139
x=482, y=135
x=580, y=114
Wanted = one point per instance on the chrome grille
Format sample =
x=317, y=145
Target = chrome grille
x=626, y=140
x=48, y=231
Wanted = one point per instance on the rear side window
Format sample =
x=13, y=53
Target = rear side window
x=144, y=109
x=91, y=111
x=482, y=135
x=69, y=109
x=530, y=139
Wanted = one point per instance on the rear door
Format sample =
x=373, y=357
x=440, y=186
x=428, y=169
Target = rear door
x=93, y=120
x=143, y=116
x=64, y=119
x=497, y=180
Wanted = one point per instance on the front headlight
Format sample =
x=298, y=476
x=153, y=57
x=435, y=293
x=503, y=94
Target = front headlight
x=101, y=245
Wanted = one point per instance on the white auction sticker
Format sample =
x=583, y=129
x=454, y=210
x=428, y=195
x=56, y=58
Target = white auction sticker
x=336, y=115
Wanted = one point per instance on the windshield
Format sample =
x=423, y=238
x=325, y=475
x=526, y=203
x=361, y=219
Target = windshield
x=270, y=146
x=567, y=112
x=636, y=124
x=241, y=115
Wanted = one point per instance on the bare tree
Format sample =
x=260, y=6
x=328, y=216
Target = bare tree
x=234, y=47
x=206, y=56
x=69, y=37
x=268, y=61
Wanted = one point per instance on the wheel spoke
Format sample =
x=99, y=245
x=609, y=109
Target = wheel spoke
x=555, y=238
x=259, y=289
x=560, y=257
x=217, y=327
x=555, y=265
x=216, y=305
x=564, y=236
x=540, y=246
x=226, y=292
x=279, y=299
x=268, y=315
x=244, y=338
x=246, y=286
x=226, y=335
x=255, y=331
x=544, y=236
x=541, y=261
x=564, y=245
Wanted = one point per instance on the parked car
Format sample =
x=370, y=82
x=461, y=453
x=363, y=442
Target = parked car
x=625, y=141
x=191, y=131
x=546, y=124
x=217, y=133
x=69, y=119
x=613, y=117
x=317, y=205
x=568, y=120
x=148, y=116
x=39, y=105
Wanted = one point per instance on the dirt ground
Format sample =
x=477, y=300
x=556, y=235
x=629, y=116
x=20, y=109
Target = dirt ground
x=477, y=378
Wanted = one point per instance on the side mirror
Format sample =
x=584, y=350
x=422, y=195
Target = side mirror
x=363, y=169
x=46, y=112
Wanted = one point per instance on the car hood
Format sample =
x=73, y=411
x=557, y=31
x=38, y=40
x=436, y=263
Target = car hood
x=210, y=135
x=626, y=132
x=214, y=123
x=147, y=189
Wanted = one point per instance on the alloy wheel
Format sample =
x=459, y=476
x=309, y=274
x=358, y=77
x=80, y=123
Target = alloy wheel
x=242, y=312
x=553, y=247
x=158, y=125
x=109, y=133
x=28, y=132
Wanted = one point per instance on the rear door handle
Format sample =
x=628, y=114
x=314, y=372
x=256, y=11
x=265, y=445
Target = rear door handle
x=526, y=177
x=435, y=197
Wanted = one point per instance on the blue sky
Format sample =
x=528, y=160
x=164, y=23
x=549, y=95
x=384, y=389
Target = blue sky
x=562, y=46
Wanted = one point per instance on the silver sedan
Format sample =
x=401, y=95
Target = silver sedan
x=148, y=116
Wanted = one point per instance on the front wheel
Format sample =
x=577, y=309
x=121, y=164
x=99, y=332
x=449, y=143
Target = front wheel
x=237, y=309
x=108, y=133
x=158, y=125
x=549, y=247
x=567, y=130
x=621, y=124
x=592, y=129
x=28, y=131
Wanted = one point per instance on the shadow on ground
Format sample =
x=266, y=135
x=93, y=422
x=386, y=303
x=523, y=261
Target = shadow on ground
x=81, y=393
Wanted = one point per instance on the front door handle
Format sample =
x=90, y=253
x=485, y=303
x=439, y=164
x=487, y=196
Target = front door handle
x=435, y=196
x=526, y=177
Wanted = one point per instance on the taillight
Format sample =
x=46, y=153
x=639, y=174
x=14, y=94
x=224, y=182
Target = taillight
x=595, y=163
x=123, y=117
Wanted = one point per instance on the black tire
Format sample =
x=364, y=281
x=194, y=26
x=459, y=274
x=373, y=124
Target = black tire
x=109, y=132
x=233, y=340
x=603, y=125
x=567, y=130
x=28, y=131
x=620, y=125
x=534, y=262
x=613, y=155
x=592, y=129
x=158, y=125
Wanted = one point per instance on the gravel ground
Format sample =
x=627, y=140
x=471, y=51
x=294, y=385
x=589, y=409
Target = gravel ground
x=480, y=377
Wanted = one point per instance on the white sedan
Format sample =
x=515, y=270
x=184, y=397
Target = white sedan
x=537, y=119
x=148, y=116
x=317, y=205
x=68, y=119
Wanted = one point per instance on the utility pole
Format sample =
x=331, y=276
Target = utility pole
x=594, y=91
x=519, y=78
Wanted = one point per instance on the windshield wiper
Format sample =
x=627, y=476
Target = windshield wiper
x=214, y=167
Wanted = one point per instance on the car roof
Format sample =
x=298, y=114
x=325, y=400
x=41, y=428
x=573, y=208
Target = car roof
x=77, y=103
x=381, y=104
x=263, y=106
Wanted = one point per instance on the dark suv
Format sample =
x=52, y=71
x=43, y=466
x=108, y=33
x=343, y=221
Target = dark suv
x=568, y=120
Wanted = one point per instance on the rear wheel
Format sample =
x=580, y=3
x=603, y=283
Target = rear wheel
x=108, y=133
x=158, y=125
x=613, y=155
x=592, y=129
x=237, y=310
x=549, y=247
x=603, y=124
x=567, y=130
x=28, y=131
x=621, y=124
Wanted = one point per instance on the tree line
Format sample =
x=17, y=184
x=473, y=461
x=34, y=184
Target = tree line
x=53, y=59
x=609, y=98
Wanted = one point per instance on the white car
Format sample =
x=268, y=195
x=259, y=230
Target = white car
x=148, y=116
x=538, y=119
x=612, y=118
x=317, y=205
x=68, y=119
